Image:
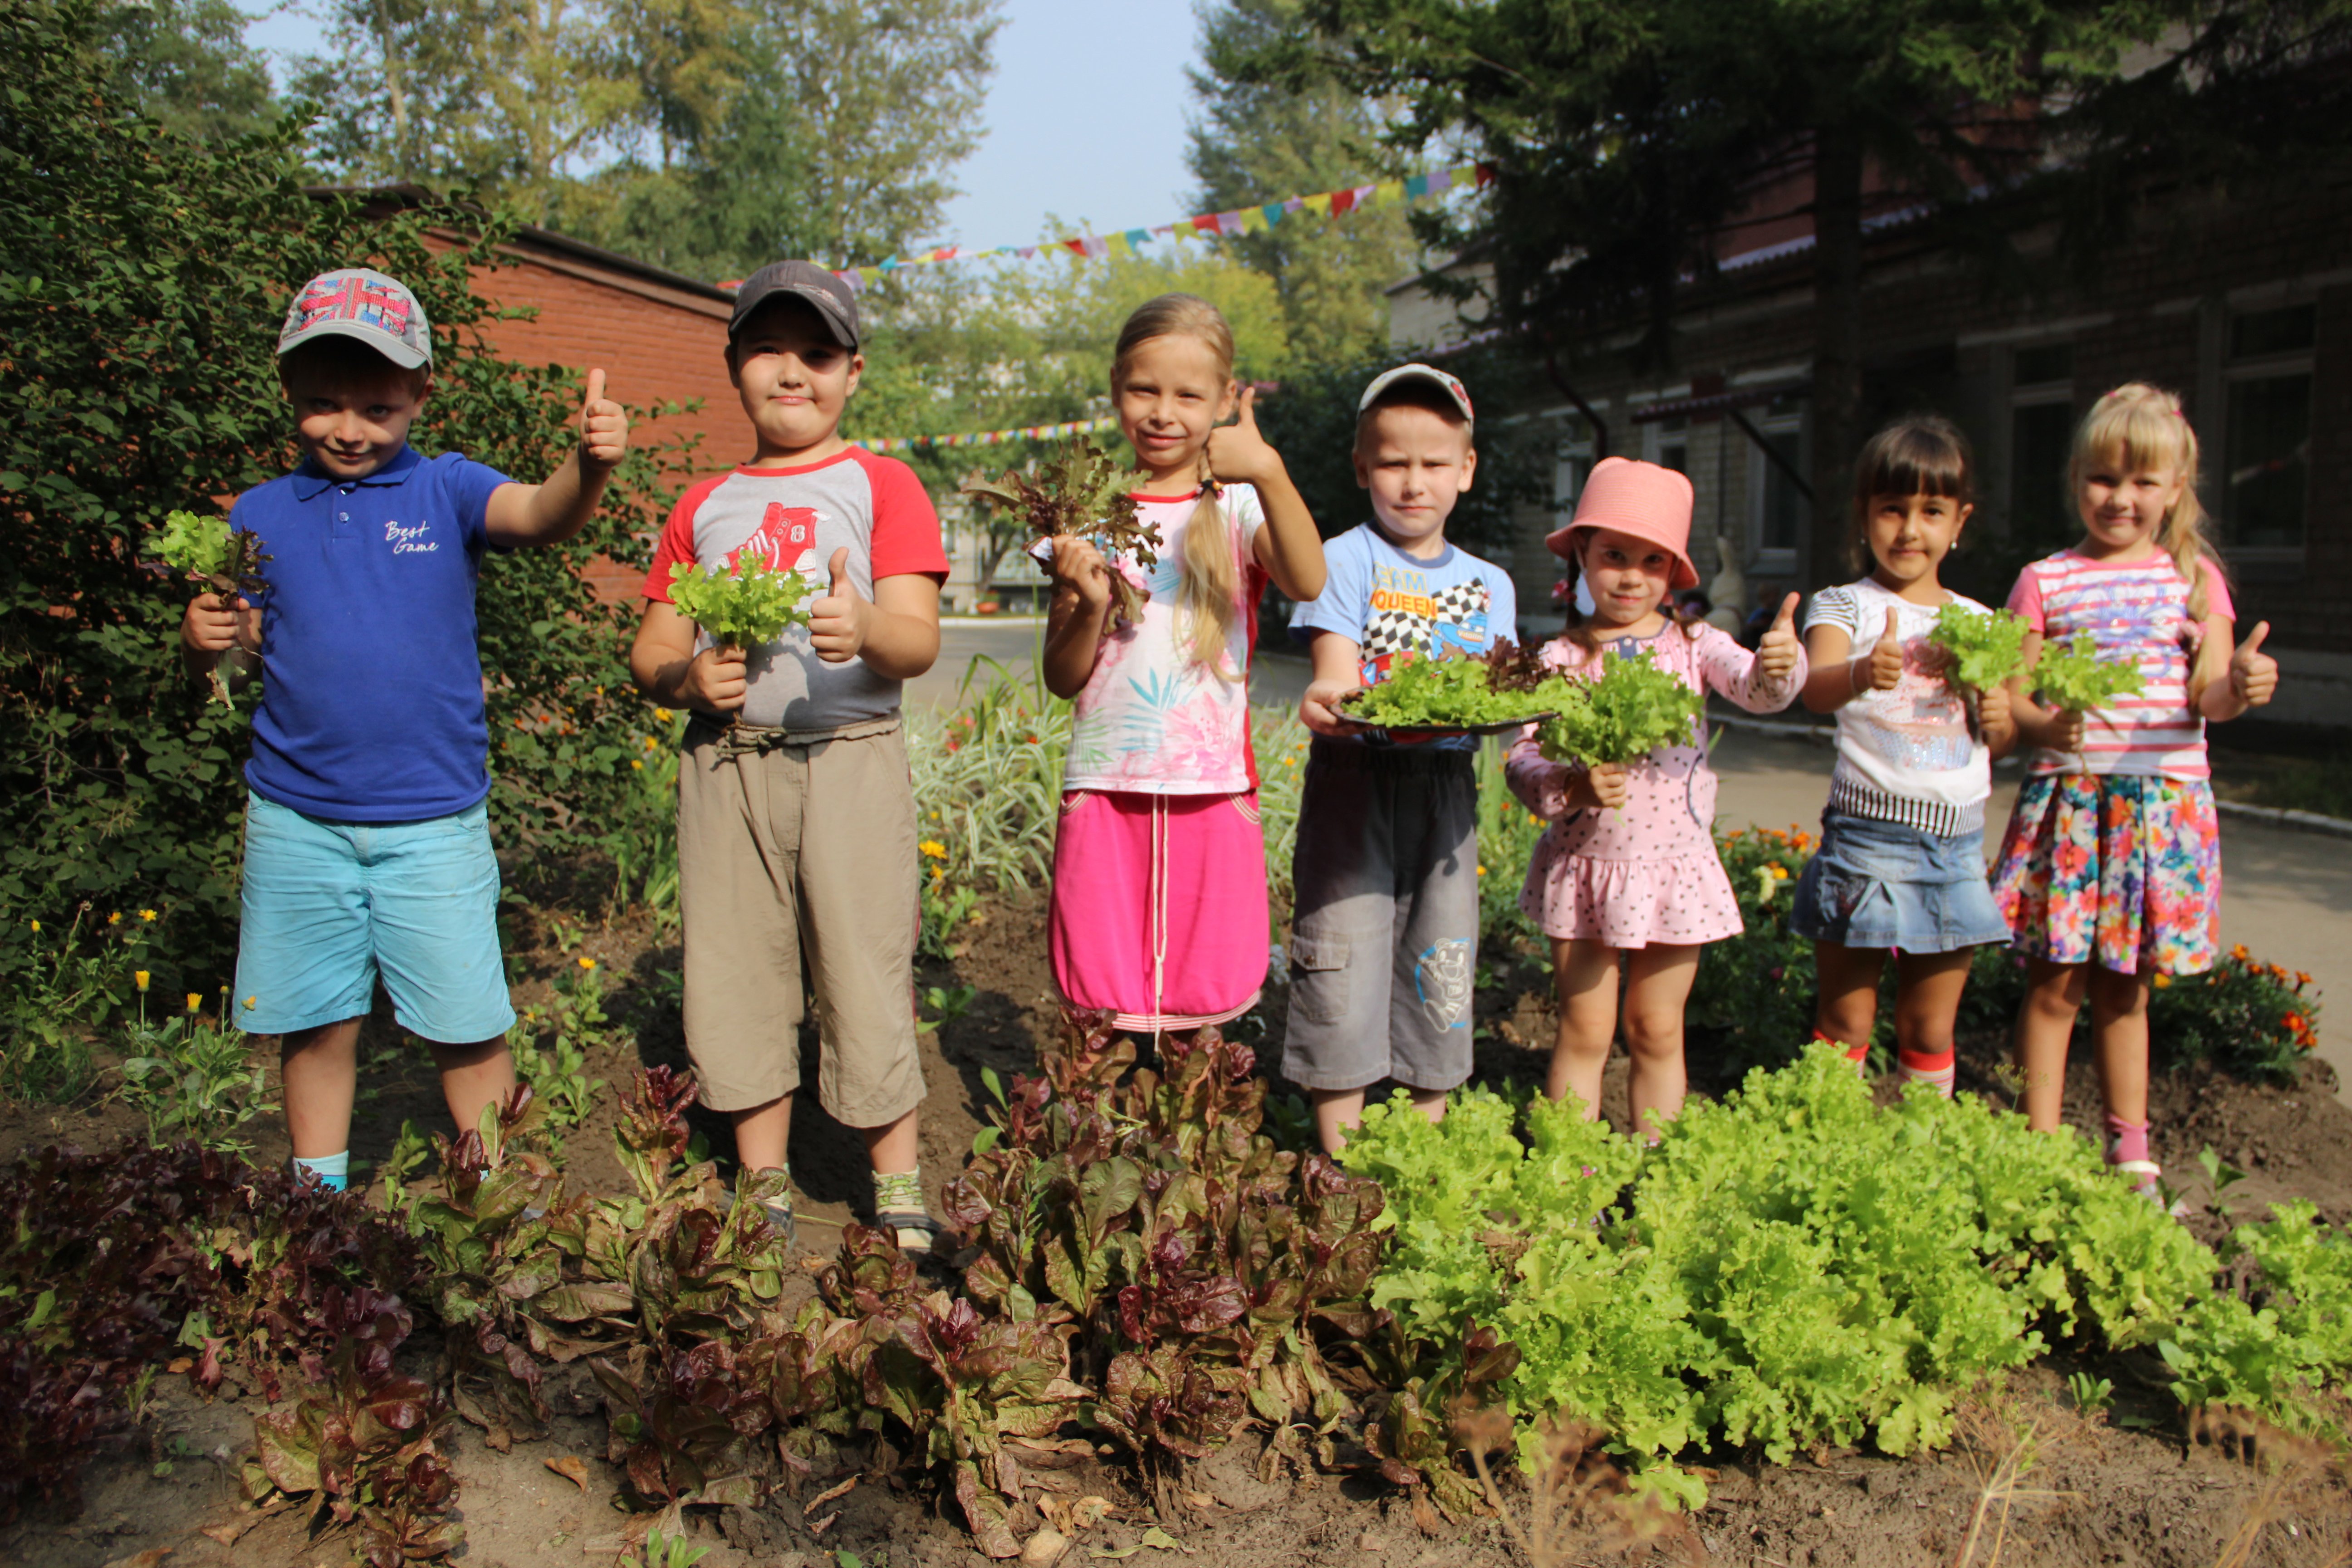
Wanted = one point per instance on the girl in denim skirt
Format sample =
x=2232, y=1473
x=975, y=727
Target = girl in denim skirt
x=1900, y=872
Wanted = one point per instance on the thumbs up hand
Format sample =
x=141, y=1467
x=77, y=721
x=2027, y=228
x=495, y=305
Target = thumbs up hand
x=2254, y=674
x=838, y=622
x=604, y=425
x=1777, y=654
x=1237, y=453
x=1886, y=656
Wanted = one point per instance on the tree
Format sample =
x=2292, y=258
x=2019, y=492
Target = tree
x=141, y=379
x=1631, y=137
x=187, y=64
x=1256, y=142
x=889, y=96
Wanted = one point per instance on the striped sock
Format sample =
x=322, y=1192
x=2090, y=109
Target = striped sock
x=333, y=1171
x=1858, y=1055
x=1924, y=1066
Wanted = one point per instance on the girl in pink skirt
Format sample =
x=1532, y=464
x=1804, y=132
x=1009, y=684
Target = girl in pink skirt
x=1159, y=907
x=1628, y=869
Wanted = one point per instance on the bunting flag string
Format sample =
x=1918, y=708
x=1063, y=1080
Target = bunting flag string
x=987, y=438
x=1228, y=225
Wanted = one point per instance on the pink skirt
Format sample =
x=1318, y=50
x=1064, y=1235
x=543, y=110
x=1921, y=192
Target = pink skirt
x=1159, y=909
x=1672, y=900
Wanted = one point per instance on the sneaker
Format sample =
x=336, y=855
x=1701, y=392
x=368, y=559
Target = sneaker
x=898, y=1209
x=779, y=1207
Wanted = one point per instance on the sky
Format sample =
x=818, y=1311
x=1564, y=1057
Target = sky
x=1085, y=116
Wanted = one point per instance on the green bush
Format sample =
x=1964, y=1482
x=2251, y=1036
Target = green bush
x=1789, y=1267
x=146, y=273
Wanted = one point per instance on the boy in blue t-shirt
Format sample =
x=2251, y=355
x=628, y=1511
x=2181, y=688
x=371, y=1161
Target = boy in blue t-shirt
x=1384, y=945
x=367, y=845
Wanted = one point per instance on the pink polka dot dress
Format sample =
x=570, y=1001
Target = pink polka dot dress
x=1646, y=874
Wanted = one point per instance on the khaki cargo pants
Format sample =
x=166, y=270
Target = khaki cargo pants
x=788, y=849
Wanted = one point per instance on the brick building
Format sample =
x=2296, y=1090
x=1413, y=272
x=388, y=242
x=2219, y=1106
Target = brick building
x=660, y=338
x=2242, y=304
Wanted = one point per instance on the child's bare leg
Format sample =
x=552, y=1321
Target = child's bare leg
x=1585, y=974
x=1927, y=987
x=1847, y=980
x=2053, y=993
x=763, y=1132
x=2119, y=1033
x=895, y=1146
x=321, y=1072
x=1657, y=983
x=1337, y=1112
x=473, y=1077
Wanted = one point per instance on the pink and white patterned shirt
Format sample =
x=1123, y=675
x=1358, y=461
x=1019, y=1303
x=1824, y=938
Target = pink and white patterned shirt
x=2136, y=610
x=1151, y=719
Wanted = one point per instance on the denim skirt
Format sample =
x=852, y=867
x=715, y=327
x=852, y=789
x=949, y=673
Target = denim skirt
x=1881, y=884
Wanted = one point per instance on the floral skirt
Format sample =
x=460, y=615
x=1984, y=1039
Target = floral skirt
x=2124, y=869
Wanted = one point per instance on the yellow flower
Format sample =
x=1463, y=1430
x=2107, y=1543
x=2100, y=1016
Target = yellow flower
x=1779, y=873
x=1535, y=821
x=196, y=1000
x=663, y=714
x=146, y=914
x=37, y=928
x=115, y=918
x=587, y=964
x=1482, y=870
x=650, y=742
x=636, y=764
x=2161, y=981
x=141, y=976
x=249, y=1001
x=933, y=848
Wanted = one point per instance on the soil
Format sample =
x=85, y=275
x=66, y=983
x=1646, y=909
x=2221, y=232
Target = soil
x=2037, y=1480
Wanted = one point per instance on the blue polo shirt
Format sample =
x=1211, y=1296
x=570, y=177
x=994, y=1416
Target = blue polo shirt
x=371, y=695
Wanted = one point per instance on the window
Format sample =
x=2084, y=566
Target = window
x=1778, y=510
x=2041, y=436
x=1573, y=460
x=1667, y=442
x=2267, y=429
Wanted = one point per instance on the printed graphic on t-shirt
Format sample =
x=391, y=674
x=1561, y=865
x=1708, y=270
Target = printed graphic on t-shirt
x=1407, y=617
x=784, y=536
x=410, y=538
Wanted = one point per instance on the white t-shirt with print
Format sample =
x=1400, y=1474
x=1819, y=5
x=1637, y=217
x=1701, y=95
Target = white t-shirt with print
x=1153, y=720
x=1904, y=755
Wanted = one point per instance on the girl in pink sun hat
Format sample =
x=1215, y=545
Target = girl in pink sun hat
x=1628, y=868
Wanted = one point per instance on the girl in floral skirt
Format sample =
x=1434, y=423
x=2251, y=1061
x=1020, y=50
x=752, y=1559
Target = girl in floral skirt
x=2111, y=871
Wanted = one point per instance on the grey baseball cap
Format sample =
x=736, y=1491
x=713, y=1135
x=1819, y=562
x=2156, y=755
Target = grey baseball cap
x=359, y=302
x=835, y=301
x=1450, y=385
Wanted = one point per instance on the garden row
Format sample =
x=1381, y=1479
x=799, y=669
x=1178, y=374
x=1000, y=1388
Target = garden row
x=1142, y=1266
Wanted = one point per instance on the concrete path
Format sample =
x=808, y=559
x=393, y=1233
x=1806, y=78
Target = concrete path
x=2286, y=895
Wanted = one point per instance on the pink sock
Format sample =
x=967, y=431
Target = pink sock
x=1921, y=1066
x=2126, y=1140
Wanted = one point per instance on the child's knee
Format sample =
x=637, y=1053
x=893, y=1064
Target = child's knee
x=1653, y=1034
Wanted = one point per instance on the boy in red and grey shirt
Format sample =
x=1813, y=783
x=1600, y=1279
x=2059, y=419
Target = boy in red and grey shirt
x=795, y=818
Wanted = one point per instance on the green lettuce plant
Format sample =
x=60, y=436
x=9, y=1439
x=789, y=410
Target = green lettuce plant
x=742, y=609
x=2073, y=677
x=1982, y=648
x=1632, y=709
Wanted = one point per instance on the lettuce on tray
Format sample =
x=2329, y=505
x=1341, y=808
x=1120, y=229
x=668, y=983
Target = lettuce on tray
x=744, y=609
x=1983, y=648
x=2072, y=678
x=1425, y=691
x=1633, y=710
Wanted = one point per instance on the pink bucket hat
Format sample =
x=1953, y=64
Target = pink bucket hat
x=1640, y=499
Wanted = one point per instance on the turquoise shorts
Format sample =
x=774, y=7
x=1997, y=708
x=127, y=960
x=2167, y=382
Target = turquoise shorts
x=330, y=906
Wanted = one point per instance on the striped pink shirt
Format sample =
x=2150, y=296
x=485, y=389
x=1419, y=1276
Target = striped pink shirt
x=2136, y=610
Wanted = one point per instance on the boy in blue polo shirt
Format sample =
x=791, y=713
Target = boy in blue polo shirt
x=367, y=846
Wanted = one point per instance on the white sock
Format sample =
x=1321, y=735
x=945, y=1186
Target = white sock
x=334, y=1171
